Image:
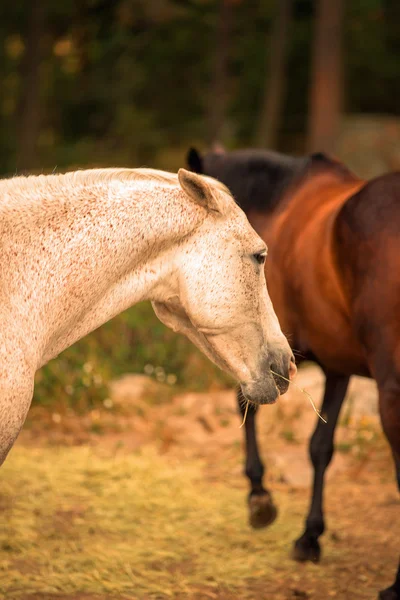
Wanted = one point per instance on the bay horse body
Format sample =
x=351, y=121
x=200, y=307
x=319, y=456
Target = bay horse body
x=334, y=280
x=79, y=248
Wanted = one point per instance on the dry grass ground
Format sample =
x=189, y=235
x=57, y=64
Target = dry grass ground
x=164, y=516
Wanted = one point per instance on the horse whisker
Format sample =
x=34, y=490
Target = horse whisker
x=304, y=392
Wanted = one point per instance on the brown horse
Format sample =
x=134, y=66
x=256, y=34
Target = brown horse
x=334, y=279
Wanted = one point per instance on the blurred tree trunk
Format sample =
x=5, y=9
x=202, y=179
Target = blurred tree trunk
x=271, y=112
x=218, y=97
x=29, y=110
x=391, y=13
x=82, y=38
x=325, y=101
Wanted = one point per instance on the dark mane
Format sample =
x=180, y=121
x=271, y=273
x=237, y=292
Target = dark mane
x=256, y=178
x=259, y=178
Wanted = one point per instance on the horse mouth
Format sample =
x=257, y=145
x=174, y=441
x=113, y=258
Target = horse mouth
x=260, y=393
x=272, y=399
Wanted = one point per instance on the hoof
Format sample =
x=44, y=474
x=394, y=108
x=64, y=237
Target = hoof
x=263, y=511
x=389, y=594
x=306, y=549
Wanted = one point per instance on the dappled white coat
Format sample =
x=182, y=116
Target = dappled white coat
x=77, y=249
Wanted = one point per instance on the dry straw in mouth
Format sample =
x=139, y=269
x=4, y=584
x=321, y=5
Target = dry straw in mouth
x=296, y=386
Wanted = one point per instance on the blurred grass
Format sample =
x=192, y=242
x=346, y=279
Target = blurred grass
x=78, y=522
x=135, y=341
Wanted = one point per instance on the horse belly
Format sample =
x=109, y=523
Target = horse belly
x=336, y=348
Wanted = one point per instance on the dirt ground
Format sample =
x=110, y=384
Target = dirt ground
x=195, y=440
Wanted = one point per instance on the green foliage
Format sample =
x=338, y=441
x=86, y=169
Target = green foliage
x=135, y=341
x=123, y=80
x=370, y=57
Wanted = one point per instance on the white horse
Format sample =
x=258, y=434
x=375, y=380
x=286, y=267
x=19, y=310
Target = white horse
x=77, y=249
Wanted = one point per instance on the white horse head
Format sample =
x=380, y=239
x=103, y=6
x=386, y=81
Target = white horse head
x=79, y=248
x=218, y=297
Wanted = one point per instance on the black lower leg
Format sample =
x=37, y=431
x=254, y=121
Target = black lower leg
x=392, y=592
x=262, y=509
x=389, y=405
x=321, y=451
x=254, y=468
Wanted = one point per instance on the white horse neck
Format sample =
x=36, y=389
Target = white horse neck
x=79, y=248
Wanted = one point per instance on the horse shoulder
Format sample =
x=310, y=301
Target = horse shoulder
x=303, y=277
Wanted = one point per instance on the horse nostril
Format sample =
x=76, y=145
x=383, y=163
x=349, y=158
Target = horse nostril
x=281, y=381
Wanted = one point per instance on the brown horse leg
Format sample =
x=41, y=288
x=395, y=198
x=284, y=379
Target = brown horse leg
x=321, y=451
x=262, y=509
x=389, y=406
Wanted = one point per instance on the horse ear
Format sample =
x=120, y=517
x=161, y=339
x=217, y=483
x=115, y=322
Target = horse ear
x=199, y=189
x=194, y=161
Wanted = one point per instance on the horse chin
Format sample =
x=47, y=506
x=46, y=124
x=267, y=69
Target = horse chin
x=265, y=392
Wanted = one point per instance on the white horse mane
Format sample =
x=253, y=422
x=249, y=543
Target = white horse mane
x=95, y=177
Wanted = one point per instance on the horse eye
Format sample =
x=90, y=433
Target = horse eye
x=260, y=257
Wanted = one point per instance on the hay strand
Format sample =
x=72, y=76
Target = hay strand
x=304, y=392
